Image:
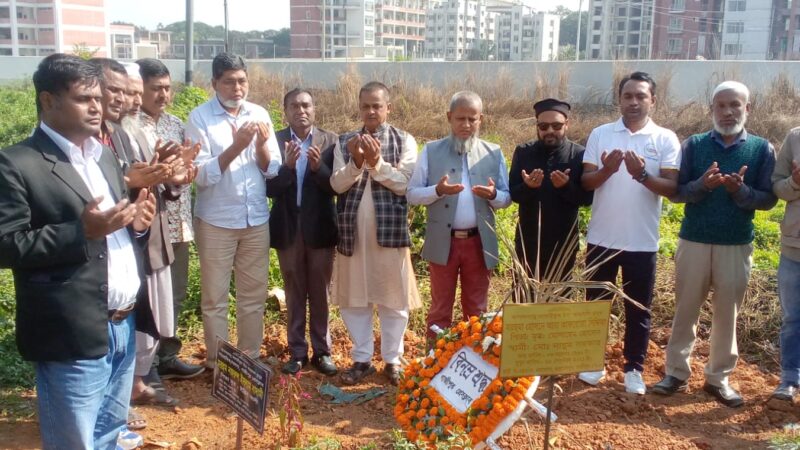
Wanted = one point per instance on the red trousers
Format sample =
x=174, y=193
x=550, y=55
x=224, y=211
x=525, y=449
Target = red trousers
x=466, y=259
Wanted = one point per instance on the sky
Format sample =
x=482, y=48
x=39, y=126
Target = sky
x=243, y=15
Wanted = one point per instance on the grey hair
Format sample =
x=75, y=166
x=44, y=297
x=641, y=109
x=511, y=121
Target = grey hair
x=734, y=86
x=465, y=98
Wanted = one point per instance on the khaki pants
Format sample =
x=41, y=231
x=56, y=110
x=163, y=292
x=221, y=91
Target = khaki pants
x=246, y=251
x=698, y=268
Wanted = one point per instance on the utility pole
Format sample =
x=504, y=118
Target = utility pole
x=189, y=41
x=578, y=40
x=322, y=42
x=227, y=48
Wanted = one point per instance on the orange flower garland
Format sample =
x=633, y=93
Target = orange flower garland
x=425, y=415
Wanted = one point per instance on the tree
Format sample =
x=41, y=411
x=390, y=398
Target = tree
x=82, y=50
x=569, y=27
x=482, y=52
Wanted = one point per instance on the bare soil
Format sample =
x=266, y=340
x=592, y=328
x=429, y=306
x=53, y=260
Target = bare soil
x=602, y=417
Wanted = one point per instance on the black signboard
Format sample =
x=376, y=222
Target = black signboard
x=242, y=383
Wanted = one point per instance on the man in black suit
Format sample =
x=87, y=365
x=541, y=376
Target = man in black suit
x=302, y=227
x=69, y=233
x=545, y=179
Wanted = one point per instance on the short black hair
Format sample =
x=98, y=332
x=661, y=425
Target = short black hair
x=639, y=76
x=294, y=93
x=152, y=68
x=109, y=64
x=58, y=72
x=224, y=62
x=373, y=86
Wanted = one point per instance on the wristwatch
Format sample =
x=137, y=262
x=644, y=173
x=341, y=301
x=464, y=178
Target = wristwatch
x=643, y=176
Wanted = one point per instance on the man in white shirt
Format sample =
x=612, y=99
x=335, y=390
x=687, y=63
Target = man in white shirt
x=462, y=180
x=238, y=151
x=623, y=230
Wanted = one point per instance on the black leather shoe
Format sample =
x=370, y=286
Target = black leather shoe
x=669, y=385
x=393, y=372
x=725, y=395
x=324, y=364
x=294, y=365
x=785, y=391
x=175, y=369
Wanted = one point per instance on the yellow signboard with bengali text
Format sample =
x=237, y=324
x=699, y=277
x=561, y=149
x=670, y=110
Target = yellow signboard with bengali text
x=553, y=338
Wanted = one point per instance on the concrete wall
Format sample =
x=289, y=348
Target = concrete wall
x=586, y=81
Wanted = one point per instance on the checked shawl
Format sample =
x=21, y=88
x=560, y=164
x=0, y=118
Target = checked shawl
x=391, y=210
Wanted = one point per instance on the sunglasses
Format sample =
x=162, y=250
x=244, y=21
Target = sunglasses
x=556, y=126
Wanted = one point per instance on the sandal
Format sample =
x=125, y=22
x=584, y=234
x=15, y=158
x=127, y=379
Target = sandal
x=152, y=396
x=357, y=372
x=136, y=421
x=393, y=372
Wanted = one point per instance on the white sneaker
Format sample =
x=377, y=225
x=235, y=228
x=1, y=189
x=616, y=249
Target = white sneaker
x=592, y=377
x=634, y=382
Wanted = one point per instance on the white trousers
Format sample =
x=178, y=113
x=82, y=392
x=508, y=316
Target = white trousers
x=393, y=326
x=159, y=289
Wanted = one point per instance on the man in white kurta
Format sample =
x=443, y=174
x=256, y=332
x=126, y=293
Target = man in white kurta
x=373, y=267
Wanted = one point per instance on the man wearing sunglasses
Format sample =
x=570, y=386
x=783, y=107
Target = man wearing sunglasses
x=545, y=180
x=630, y=164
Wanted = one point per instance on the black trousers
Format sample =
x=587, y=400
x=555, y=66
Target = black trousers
x=638, y=280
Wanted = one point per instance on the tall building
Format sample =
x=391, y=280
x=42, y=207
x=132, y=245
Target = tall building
x=456, y=29
x=785, y=42
x=687, y=29
x=42, y=27
x=655, y=29
x=122, y=39
x=524, y=35
x=746, y=29
x=357, y=28
x=400, y=26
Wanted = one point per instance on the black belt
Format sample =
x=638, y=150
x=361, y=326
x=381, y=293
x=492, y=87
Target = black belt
x=118, y=315
x=463, y=234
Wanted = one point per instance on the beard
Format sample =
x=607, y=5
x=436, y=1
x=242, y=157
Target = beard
x=233, y=103
x=550, y=146
x=129, y=124
x=731, y=130
x=462, y=146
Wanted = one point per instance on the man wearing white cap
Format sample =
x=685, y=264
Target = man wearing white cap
x=724, y=177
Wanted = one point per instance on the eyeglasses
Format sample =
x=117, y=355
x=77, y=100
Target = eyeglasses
x=556, y=126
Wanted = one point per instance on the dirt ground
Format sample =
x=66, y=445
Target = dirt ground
x=603, y=417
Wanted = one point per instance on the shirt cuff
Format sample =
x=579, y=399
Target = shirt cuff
x=792, y=184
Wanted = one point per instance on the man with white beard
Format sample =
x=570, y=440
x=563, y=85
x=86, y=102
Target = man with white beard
x=462, y=180
x=724, y=177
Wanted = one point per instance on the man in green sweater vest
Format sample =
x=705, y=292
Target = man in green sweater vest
x=724, y=177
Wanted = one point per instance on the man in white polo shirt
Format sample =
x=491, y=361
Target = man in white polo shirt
x=629, y=164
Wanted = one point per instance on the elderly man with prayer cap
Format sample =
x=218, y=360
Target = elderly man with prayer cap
x=725, y=176
x=545, y=180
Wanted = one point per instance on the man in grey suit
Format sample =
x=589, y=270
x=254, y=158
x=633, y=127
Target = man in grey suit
x=303, y=229
x=72, y=239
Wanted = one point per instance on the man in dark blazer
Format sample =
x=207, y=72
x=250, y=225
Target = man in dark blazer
x=71, y=237
x=302, y=227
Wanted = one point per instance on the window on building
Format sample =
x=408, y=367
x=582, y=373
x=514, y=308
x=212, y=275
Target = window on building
x=5, y=52
x=595, y=53
x=674, y=46
x=737, y=5
x=633, y=39
x=621, y=25
x=622, y=11
x=675, y=25
x=734, y=27
x=732, y=49
x=5, y=13
x=598, y=10
x=634, y=25
x=678, y=5
x=27, y=52
x=597, y=25
x=636, y=11
x=5, y=33
x=596, y=39
x=620, y=39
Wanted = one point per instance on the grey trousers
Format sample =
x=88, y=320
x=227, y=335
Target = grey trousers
x=306, y=276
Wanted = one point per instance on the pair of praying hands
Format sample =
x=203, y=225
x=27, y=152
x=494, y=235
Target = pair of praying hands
x=173, y=163
x=243, y=136
x=293, y=150
x=713, y=178
x=535, y=178
x=363, y=147
x=488, y=192
x=98, y=224
x=634, y=163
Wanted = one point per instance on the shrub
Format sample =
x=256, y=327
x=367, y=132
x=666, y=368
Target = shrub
x=186, y=99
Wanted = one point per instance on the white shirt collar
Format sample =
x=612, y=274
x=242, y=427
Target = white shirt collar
x=218, y=109
x=91, y=146
x=649, y=128
x=296, y=137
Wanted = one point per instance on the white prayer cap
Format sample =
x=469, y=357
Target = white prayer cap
x=133, y=70
x=735, y=86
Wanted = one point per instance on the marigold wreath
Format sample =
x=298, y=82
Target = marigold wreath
x=425, y=415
